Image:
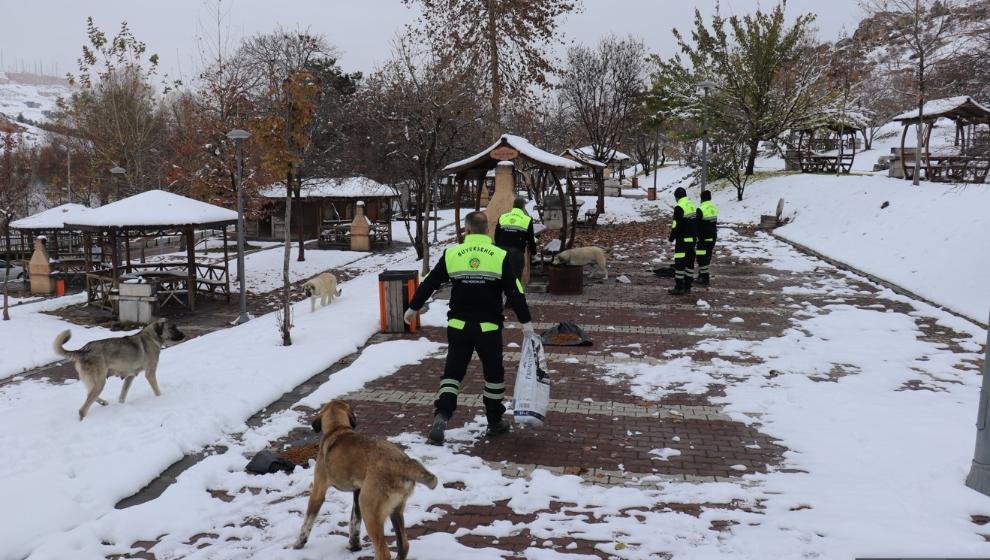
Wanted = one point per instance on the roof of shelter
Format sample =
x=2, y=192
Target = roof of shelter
x=961, y=107
x=51, y=219
x=153, y=209
x=834, y=119
x=587, y=160
x=342, y=187
x=523, y=149
x=617, y=156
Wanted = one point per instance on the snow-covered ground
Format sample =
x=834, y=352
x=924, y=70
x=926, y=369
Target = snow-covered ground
x=264, y=268
x=26, y=340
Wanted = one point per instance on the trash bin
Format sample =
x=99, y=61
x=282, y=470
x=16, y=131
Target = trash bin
x=136, y=302
x=59, y=286
x=651, y=193
x=395, y=291
x=565, y=280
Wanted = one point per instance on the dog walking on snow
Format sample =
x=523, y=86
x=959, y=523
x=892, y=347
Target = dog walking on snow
x=323, y=287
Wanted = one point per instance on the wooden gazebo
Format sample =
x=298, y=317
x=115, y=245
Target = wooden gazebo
x=827, y=141
x=511, y=148
x=968, y=160
x=64, y=245
x=586, y=184
x=155, y=214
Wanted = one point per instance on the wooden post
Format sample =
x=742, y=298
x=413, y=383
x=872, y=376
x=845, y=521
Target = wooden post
x=457, y=207
x=191, y=264
x=127, y=250
x=87, y=262
x=114, y=259
x=226, y=263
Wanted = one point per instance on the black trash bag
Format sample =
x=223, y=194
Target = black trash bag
x=266, y=462
x=566, y=334
x=664, y=271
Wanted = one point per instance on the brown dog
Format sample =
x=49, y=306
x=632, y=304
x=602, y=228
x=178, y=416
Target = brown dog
x=378, y=472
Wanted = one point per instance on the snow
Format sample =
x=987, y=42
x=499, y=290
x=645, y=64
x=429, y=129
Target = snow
x=31, y=331
x=589, y=151
x=346, y=187
x=937, y=107
x=924, y=241
x=264, y=268
x=53, y=218
x=155, y=208
x=524, y=148
x=206, y=394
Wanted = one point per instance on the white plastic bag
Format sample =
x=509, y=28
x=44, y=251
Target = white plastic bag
x=531, y=396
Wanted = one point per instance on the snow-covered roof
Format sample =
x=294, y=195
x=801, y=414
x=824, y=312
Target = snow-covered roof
x=53, y=218
x=835, y=119
x=521, y=145
x=343, y=187
x=961, y=105
x=154, y=209
x=589, y=151
x=583, y=158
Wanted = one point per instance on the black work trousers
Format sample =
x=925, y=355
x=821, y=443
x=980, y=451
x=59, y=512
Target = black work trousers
x=683, y=263
x=461, y=346
x=517, y=259
x=705, y=249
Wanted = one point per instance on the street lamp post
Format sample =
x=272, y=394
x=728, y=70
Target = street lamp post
x=705, y=86
x=979, y=473
x=238, y=135
x=117, y=172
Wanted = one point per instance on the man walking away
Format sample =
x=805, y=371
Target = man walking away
x=682, y=233
x=514, y=233
x=707, y=234
x=480, y=274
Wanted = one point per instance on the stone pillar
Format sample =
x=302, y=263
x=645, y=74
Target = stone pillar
x=360, y=230
x=39, y=269
x=501, y=201
x=486, y=197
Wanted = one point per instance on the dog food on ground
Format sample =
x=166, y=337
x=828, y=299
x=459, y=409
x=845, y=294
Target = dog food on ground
x=564, y=339
x=301, y=454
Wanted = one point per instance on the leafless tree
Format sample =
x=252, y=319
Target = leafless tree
x=508, y=40
x=15, y=181
x=925, y=31
x=602, y=86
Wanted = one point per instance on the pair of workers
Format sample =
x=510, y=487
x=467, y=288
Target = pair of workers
x=481, y=273
x=693, y=232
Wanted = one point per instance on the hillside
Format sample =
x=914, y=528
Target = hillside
x=26, y=99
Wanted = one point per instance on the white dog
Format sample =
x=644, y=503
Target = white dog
x=583, y=256
x=323, y=287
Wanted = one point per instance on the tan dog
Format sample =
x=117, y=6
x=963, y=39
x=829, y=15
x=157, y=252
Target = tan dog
x=378, y=472
x=583, y=256
x=323, y=287
x=127, y=356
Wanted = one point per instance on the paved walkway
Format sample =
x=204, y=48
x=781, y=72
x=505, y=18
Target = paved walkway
x=599, y=429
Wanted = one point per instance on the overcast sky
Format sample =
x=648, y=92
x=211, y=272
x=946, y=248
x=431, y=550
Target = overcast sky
x=51, y=32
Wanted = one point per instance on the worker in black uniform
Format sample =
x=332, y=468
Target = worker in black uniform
x=514, y=233
x=707, y=234
x=480, y=274
x=683, y=230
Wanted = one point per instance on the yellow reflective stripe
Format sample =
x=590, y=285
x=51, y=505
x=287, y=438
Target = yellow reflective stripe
x=673, y=225
x=456, y=324
x=710, y=239
x=679, y=255
x=689, y=239
x=520, y=286
x=489, y=327
x=495, y=386
x=492, y=396
x=701, y=252
x=450, y=390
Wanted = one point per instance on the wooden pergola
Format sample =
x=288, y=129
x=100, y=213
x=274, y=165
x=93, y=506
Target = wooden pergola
x=64, y=244
x=827, y=142
x=159, y=214
x=969, y=158
x=515, y=148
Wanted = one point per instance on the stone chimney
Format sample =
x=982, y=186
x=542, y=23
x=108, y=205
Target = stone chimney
x=360, y=230
x=501, y=201
x=40, y=269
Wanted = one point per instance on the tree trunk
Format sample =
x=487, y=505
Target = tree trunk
x=916, y=180
x=867, y=140
x=300, y=227
x=754, y=147
x=425, y=241
x=286, y=284
x=493, y=70
x=6, y=272
x=600, y=179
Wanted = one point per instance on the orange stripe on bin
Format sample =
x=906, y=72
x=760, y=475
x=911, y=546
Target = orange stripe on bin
x=411, y=290
x=381, y=303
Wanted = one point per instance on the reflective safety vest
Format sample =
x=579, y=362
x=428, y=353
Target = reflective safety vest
x=515, y=219
x=689, y=216
x=708, y=211
x=709, y=220
x=475, y=262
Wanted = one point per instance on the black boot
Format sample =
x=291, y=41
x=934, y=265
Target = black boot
x=678, y=288
x=687, y=284
x=500, y=427
x=704, y=279
x=437, y=429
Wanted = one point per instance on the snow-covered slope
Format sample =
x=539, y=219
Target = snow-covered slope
x=32, y=97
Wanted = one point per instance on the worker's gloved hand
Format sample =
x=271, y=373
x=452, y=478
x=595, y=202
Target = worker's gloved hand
x=409, y=315
x=527, y=329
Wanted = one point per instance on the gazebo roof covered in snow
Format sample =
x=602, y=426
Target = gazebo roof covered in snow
x=153, y=210
x=589, y=152
x=51, y=219
x=510, y=147
x=588, y=161
x=342, y=187
x=961, y=107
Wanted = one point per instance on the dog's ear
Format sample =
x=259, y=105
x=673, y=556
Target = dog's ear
x=160, y=327
x=317, y=425
x=351, y=418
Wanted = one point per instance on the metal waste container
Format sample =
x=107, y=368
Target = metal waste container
x=136, y=302
x=395, y=290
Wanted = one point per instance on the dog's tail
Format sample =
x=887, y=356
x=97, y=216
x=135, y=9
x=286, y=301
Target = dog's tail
x=419, y=474
x=59, y=344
